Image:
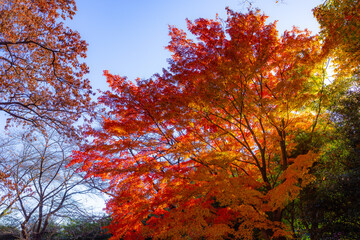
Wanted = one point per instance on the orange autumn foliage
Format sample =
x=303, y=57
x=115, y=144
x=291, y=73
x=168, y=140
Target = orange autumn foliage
x=6, y=189
x=340, y=28
x=203, y=151
x=41, y=74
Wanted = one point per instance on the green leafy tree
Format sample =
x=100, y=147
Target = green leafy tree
x=329, y=207
x=85, y=228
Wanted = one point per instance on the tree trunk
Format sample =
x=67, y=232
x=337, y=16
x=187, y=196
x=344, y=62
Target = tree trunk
x=24, y=232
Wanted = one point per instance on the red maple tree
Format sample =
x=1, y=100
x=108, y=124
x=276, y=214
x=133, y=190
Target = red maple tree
x=204, y=150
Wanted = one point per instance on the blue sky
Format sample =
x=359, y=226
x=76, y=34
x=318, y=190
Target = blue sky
x=128, y=37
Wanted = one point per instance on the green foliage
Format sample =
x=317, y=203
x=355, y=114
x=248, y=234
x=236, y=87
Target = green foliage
x=9, y=232
x=85, y=229
x=329, y=208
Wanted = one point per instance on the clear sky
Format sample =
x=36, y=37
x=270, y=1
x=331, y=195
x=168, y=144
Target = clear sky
x=128, y=37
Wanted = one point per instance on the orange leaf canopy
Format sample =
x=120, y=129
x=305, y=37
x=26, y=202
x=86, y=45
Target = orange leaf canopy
x=204, y=149
x=42, y=76
x=340, y=27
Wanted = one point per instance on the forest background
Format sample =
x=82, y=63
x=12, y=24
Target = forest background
x=189, y=153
